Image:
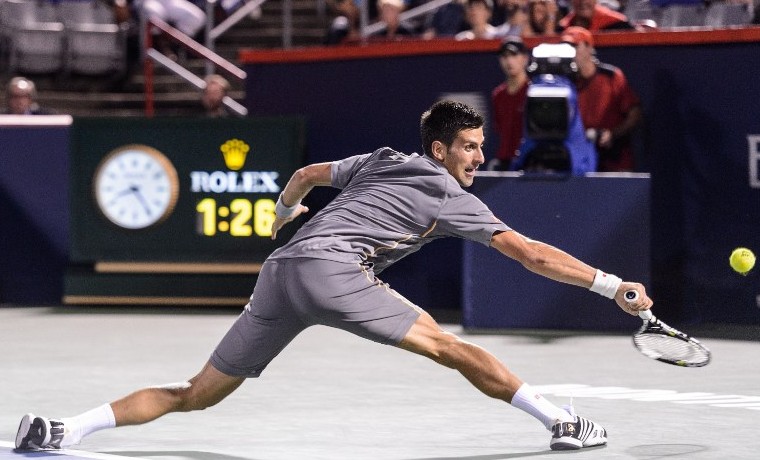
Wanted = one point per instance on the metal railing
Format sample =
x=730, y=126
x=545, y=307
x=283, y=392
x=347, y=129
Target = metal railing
x=151, y=55
x=212, y=34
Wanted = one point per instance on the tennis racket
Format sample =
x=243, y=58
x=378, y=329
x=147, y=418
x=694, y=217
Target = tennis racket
x=659, y=341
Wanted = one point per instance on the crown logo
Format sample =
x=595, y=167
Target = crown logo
x=234, y=151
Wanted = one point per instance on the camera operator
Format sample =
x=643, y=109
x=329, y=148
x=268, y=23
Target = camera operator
x=508, y=101
x=609, y=108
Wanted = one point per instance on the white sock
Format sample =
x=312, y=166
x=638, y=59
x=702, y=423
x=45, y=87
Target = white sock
x=89, y=422
x=526, y=399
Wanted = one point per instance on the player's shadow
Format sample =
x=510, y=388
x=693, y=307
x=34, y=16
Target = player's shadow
x=196, y=455
x=646, y=451
x=180, y=454
x=507, y=456
x=489, y=456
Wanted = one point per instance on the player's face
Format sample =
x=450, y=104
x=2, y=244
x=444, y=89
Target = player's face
x=463, y=156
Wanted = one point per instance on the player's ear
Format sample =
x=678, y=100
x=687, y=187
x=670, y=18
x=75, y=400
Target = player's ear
x=439, y=150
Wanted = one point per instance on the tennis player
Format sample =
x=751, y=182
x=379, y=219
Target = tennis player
x=390, y=205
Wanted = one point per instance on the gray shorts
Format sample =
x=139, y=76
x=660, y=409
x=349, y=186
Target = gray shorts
x=293, y=294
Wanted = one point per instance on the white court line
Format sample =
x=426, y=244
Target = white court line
x=76, y=453
x=573, y=390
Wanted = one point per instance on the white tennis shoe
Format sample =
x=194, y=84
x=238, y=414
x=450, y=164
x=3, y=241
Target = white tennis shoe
x=575, y=435
x=39, y=433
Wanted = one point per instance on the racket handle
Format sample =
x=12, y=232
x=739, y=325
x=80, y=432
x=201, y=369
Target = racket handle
x=632, y=296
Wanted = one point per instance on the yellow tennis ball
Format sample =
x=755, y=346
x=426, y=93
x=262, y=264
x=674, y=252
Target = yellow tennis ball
x=742, y=260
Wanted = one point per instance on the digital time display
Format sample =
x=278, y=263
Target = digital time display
x=240, y=218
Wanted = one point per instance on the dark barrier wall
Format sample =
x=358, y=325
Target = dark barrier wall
x=700, y=103
x=34, y=159
x=702, y=111
x=612, y=234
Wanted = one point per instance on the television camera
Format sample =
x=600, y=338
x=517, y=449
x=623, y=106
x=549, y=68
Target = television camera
x=554, y=138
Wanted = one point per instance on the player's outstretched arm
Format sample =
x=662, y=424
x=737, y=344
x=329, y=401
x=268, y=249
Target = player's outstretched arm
x=299, y=185
x=553, y=263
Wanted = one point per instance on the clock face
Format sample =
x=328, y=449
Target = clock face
x=136, y=187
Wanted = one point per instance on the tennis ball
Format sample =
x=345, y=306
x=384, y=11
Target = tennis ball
x=742, y=260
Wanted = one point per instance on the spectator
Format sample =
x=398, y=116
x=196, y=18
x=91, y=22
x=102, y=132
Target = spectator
x=388, y=12
x=508, y=101
x=182, y=14
x=213, y=96
x=345, y=23
x=543, y=18
x=511, y=17
x=21, y=98
x=593, y=17
x=447, y=21
x=608, y=106
x=478, y=13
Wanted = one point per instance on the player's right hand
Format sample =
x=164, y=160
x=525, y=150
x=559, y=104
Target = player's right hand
x=279, y=222
x=633, y=308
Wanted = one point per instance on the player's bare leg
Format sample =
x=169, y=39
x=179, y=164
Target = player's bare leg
x=493, y=378
x=481, y=368
x=204, y=390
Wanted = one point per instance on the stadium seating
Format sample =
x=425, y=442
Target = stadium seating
x=723, y=14
x=74, y=36
x=32, y=41
x=95, y=44
x=675, y=16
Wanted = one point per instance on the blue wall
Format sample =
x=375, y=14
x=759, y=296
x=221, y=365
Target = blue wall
x=34, y=210
x=700, y=104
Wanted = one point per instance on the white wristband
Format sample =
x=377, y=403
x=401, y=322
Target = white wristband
x=282, y=211
x=606, y=284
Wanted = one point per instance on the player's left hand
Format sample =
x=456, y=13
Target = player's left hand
x=280, y=222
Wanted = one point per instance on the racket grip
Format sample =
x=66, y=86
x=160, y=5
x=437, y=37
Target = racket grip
x=632, y=296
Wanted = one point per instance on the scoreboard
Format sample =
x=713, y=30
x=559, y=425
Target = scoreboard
x=179, y=190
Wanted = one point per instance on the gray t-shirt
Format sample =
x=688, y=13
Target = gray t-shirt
x=391, y=204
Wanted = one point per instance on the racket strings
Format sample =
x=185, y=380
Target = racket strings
x=670, y=348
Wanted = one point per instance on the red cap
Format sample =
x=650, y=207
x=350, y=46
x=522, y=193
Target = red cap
x=575, y=35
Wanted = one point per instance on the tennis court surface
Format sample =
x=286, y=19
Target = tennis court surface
x=331, y=395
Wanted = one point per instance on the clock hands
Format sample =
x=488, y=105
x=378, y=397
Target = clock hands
x=141, y=198
x=134, y=190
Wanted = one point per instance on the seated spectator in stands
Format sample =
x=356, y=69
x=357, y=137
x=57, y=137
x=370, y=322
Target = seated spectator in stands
x=478, y=13
x=345, y=23
x=608, y=106
x=594, y=17
x=388, y=11
x=542, y=18
x=512, y=18
x=213, y=96
x=182, y=14
x=21, y=98
x=446, y=21
x=508, y=101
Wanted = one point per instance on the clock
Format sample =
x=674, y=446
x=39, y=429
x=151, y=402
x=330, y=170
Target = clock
x=135, y=187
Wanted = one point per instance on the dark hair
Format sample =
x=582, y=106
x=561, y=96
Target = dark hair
x=443, y=121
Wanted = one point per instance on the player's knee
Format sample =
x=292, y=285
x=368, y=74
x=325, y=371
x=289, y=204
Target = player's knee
x=447, y=349
x=187, y=397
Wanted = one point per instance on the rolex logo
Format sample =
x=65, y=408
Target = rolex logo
x=234, y=151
